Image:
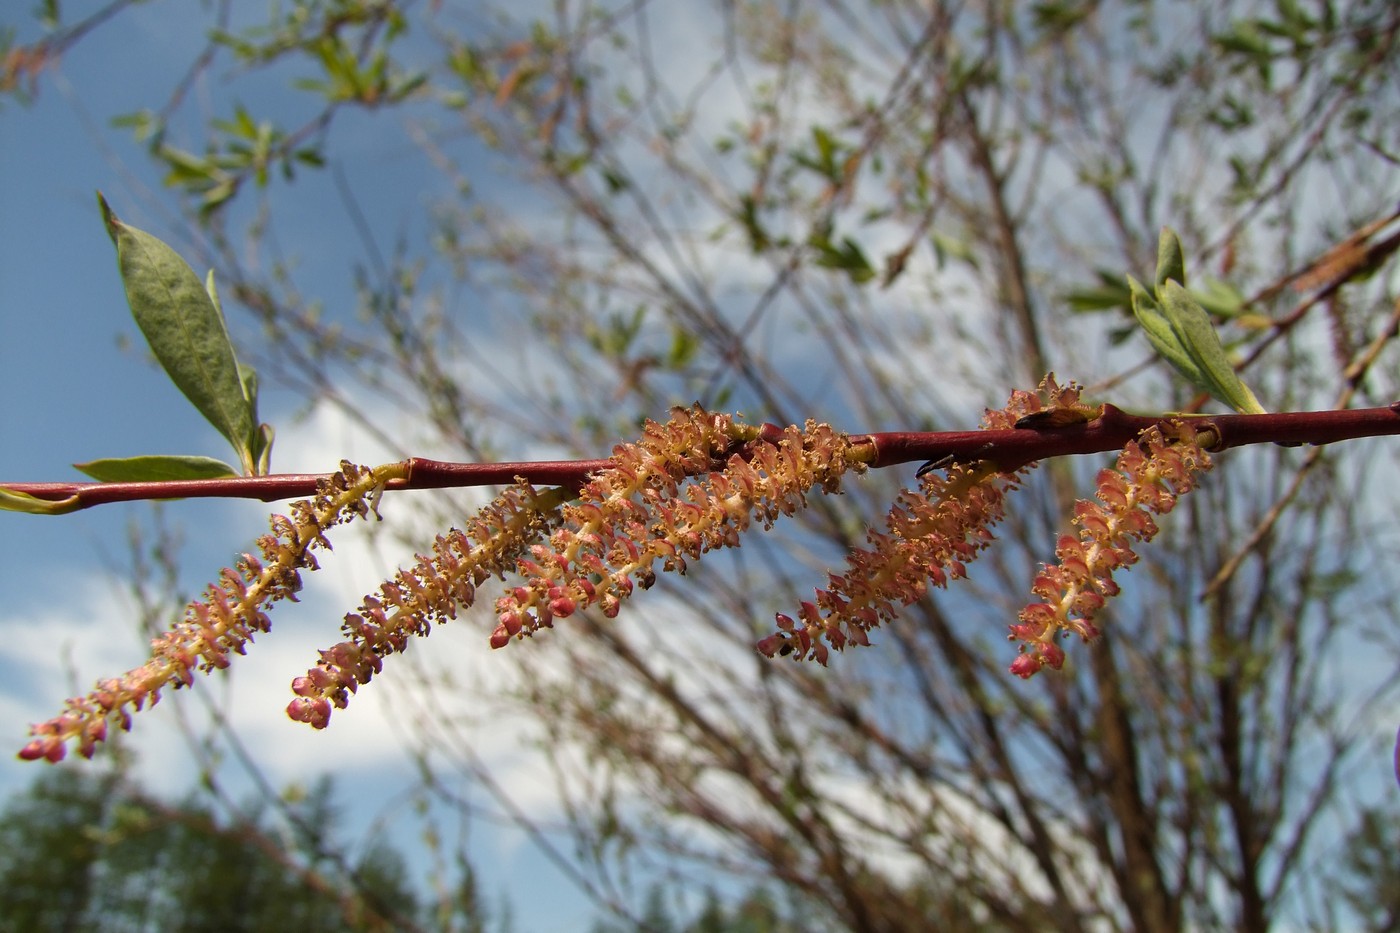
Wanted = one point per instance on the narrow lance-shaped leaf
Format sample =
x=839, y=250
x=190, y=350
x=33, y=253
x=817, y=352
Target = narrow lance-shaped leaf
x=14, y=501
x=1171, y=261
x=1160, y=334
x=260, y=438
x=260, y=441
x=155, y=469
x=262, y=449
x=185, y=330
x=1182, y=332
x=1198, y=338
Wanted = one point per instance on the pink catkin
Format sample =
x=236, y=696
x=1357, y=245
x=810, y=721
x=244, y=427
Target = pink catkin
x=1152, y=472
x=223, y=622
x=432, y=591
x=931, y=535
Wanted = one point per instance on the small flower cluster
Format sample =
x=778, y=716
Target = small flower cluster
x=1150, y=475
x=931, y=535
x=431, y=591
x=691, y=485
x=224, y=621
x=636, y=513
x=686, y=487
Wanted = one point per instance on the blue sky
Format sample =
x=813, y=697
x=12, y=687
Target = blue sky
x=72, y=393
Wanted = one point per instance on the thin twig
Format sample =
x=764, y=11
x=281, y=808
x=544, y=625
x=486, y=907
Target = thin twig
x=1009, y=449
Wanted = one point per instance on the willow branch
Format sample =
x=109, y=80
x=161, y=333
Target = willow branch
x=1009, y=449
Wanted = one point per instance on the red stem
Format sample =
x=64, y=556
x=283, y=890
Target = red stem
x=1115, y=427
x=1009, y=448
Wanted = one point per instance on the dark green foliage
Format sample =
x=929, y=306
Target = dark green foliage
x=88, y=852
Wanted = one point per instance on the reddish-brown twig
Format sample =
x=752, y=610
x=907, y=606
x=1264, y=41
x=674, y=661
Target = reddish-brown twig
x=1009, y=449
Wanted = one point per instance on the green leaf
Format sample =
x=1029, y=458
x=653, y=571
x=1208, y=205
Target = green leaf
x=1182, y=332
x=310, y=157
x=184, y=166
x=616, y=181
x=748, y=217
x=684, y=345
x=262, y=450
x=1197, y=336
x=1058, y=18
x=946, y=246
x=849, y=258
x=185, y=330
x=212, y=290
x=1110, y=293
x=1220, y=299
x=155, y=469
x=1245, y=39
x=826, y=146
x=14, y=501
x=1160, y=333
x=1171, y=263
x=49, y=15
x=248, y=379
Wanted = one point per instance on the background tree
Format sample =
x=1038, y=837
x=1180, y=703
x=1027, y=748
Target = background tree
x=86, y=850
x=883, y=215
x=1370, y=888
